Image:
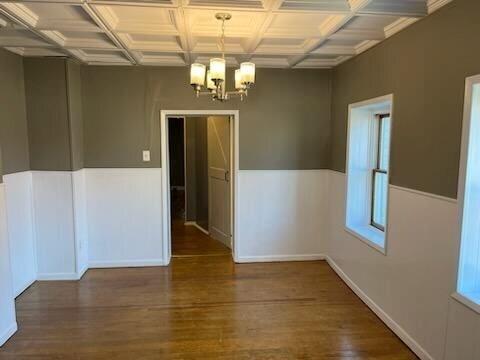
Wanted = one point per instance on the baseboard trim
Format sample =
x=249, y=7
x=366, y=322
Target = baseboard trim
x=279, y=258
x=194, y=223
x=7, y=334
x=24, y=287
x=57, y=276
x=125, y=263
x=396, y=328
x=82, y=271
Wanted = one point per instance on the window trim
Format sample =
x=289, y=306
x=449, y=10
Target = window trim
x=371, y=236
x=470, y=83
x=377, y=169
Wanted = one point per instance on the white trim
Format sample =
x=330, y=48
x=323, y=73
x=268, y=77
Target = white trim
x=194, y=223
x=125, y=263
x=467, y=302
x=82, y=271
x=380, y=99
x=280, y=258
x=398, y=25
x=156, y=168
x=366, y=240
x=234, y=127
x=57, y=276
x=396, y=328
x=24, y=287
x=284, y=170
x=7, y=334
x=434, y=5
x=470, y=82
x=422, y=193
x=409, y=190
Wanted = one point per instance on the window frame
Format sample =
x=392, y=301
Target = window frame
x=360, y=159
x=377, y=169
x=459, y=294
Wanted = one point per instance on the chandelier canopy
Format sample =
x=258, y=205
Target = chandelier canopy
x=215, y=75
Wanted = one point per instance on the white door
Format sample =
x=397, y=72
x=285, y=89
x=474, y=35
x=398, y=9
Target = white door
x=219, y=178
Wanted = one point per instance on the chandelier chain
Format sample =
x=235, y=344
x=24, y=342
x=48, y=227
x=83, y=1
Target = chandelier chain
x=222, y=39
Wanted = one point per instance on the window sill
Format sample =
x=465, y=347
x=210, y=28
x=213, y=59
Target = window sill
x=470, y=300
x=369, y=235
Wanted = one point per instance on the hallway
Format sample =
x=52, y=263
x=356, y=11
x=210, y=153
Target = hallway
x=190, y=241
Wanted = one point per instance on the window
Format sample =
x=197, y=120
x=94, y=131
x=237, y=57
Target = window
x=468, y=285
x=367, y=170
x=380, y=173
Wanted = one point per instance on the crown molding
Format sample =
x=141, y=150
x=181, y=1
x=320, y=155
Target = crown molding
x=398, y=25
x=434, y=5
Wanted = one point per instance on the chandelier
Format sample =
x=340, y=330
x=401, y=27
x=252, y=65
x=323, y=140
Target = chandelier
x=215, y=75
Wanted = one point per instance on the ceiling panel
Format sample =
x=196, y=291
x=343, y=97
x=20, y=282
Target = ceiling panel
x=271, y=33
x=328, y=6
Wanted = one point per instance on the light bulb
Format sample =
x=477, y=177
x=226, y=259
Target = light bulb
x=217, y=69
x=210, y=83
x=248, y=73
x=238, y=80
x=197, y=74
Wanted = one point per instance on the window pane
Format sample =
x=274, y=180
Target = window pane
x=380, y=188
x=384, y=147
x=469, y=274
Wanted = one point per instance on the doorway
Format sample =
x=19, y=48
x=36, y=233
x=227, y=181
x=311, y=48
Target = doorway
x=199, y=178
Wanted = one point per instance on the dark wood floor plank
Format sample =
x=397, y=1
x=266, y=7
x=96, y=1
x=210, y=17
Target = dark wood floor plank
x=190, y=241
x=203, y=307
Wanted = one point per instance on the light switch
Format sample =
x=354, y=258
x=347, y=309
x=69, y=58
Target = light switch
x=146, y=155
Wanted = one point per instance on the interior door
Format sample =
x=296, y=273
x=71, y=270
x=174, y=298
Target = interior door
x=218, y=128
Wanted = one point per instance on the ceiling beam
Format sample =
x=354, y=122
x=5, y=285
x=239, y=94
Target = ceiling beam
x=97, y=17
x=6, y=10
x=262, y=28
x=330, y=27
x=185, y=36
x=397, y=8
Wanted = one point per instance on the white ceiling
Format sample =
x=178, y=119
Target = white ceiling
x=271, y=33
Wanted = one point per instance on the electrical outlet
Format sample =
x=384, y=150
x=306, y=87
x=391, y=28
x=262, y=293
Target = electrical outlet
x=146, y=155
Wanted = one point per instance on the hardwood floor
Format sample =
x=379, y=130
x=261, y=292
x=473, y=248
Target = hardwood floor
x=190, y=241
x=202, y=307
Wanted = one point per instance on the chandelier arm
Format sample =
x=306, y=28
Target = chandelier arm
x=222, y=41
x=218, y=91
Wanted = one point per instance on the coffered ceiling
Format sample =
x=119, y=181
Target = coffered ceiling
x=271, y=33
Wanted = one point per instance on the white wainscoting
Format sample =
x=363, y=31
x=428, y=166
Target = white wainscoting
x=80, y=221
x=410, y=287
x=124, y=216
x=54, y=225
x=463, y=333
x=283, y=215
x=21, y=234
x=8, y=323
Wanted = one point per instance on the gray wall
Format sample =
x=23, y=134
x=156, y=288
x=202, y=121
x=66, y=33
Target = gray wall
x=47, y=114
x=425, y=67
x=13, y=119
x=53, y=90
x=284, y=124
x=75, y=114
x=1, y=167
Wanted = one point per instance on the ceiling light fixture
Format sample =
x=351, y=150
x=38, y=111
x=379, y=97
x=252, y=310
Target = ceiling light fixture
x=215, y=76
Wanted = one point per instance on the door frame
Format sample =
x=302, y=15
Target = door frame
x=165, y=174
